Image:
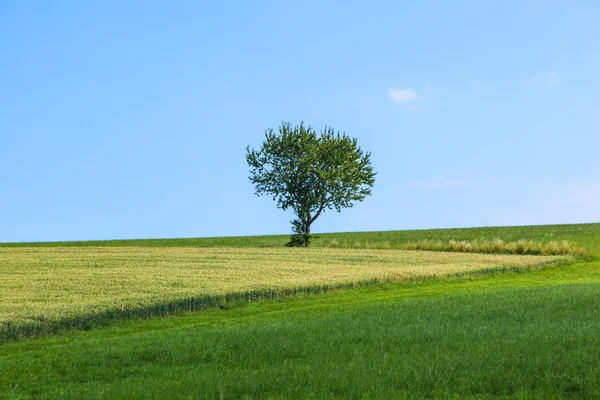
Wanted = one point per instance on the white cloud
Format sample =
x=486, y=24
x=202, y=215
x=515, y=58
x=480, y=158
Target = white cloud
x=403, y=96
x=546, y=79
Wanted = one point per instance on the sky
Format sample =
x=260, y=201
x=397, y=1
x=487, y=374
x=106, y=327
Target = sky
x=130, y=119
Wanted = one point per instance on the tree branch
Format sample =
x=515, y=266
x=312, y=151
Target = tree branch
x=317, y=214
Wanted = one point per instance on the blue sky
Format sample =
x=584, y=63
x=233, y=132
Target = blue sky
x=130, y=119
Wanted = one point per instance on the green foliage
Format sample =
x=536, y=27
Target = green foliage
x=310, y=173
x=300, y=240
x=299, y=237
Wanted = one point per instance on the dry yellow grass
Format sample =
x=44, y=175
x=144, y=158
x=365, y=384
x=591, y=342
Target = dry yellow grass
x=45, y=284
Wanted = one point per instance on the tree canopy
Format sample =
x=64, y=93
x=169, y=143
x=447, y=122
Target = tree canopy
x=310, y=173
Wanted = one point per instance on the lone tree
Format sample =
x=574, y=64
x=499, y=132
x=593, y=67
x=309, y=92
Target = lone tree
x=310, y=173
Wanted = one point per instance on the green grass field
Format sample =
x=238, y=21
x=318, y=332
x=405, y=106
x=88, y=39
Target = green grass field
x=581, y=235
x=524, y=332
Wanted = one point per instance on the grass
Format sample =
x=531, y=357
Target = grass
x=577, y=235
x=505, y=335
x=446, y=325
x=46, y=290
x=497, y=246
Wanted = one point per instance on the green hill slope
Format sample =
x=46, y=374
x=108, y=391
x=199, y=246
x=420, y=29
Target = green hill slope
x=506, y=333
x=584, y=235
x=531, y=335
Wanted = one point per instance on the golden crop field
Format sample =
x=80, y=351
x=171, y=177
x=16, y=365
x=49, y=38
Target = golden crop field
x=44, y=284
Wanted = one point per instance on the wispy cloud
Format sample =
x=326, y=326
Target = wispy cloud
x=556, y=202
x=403, y=96
x=546, y=79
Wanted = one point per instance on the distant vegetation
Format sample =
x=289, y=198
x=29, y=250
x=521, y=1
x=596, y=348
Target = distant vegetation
x=497, y=246
x=578, y=236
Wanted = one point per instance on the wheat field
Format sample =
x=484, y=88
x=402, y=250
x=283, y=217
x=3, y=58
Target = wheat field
x=40, y=285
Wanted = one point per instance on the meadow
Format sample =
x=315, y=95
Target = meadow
x=338, y=321
x=504, y=335
x=577, y=236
